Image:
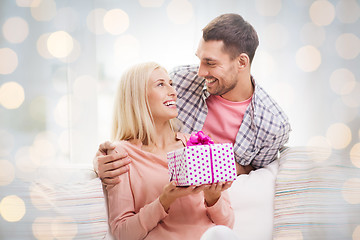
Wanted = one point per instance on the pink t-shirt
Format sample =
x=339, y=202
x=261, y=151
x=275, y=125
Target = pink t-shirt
x=224, y=118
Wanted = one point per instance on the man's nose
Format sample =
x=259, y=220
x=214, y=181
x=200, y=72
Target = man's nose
x=202, y=72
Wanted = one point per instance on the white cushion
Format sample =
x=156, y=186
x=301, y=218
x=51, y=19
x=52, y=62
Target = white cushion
x=252, y=199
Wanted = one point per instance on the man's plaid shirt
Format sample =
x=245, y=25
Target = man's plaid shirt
x=265, y=127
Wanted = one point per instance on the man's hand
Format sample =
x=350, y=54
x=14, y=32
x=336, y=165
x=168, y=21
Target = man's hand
x=212, y=192
x=240, y=169
x=110, y=163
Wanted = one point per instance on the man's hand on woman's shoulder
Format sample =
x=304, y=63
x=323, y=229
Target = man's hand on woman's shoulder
x=109, y=163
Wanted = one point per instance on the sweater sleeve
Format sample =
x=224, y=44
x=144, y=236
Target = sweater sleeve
x=124, y=221
x=221, y=213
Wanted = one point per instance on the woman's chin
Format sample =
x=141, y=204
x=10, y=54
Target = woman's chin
x=174, y=115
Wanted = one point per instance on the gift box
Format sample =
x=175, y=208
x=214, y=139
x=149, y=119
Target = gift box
x=202, y=162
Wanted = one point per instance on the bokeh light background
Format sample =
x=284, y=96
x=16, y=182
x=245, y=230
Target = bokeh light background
x=60, y=61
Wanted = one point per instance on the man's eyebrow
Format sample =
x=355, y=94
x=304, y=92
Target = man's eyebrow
x=209, y=59
x=206, y=59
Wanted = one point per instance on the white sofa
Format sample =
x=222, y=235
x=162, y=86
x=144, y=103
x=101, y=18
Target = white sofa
x=305, y=194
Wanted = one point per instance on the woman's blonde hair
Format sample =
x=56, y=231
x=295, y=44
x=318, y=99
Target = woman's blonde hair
x=132, y=116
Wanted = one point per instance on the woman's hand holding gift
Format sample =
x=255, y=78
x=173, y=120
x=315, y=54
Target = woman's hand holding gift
x=171, y=192
x=212, y=192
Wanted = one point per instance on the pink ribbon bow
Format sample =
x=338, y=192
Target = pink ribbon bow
x=199, y=138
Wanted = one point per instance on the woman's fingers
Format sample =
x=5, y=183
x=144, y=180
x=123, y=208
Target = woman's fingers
x=227, y=185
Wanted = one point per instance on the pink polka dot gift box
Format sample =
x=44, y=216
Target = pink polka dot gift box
x=202, y=162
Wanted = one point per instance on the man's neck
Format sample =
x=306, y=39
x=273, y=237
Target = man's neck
x=242, y=91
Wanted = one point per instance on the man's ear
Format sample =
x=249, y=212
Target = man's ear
x=243, y=61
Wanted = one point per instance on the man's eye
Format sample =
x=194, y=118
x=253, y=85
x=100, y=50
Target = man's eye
x=211, y=64
x=160, y=84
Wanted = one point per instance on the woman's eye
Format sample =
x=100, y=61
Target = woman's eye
x=160, y=84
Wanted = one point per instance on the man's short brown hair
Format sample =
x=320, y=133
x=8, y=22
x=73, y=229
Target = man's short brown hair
x=237, y=35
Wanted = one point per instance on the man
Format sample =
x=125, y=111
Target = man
x=221, y=98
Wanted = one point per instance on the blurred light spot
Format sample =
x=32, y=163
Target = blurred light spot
x=44, y=11
x=12, y=208
x=7, y=172
x=356, y=233
x=62, y=79
x=8, y=61
x=268, y=7
x=319, y=141
x=75, y=53
x=94, y=21
x=66, y=19
x=60, y=44
x=43, y=150
x=276, y=36
x=351, y=190
x=289, y=235
x=341, y=112
x=62, y=111
x=64, y=227
x=46, y=135
x=6, y=142
x=28, y=3
x=348, y=11
x=15, y=30
x=312, y=34
x=323, y=147
x=85, y=88
x=322, y=12
x=355, y=155
x=38, y=108
x=64, y=140
x=151, y=3
x=23, y=161
x=353, y=98
x=264, y=65
x=41, y=46
x=339, y=135
x=308, y=58
x=180, y=11
x=348, y=46
x=126, y=48
x=342, y=81
x=11, y=95
x=41, y=228
x=39, y=197
x=116, y=21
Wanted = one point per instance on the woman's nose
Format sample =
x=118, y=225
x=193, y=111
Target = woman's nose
x=172, y=91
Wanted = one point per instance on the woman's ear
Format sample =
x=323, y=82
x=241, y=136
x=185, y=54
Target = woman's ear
x=243, y=61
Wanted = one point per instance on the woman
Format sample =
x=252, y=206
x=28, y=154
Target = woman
x=144, y=205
